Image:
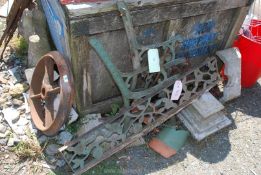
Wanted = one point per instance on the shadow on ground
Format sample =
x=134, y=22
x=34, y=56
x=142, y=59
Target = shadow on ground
x=249, y=103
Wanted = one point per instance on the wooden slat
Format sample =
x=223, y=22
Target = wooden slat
x=235, y=26
x=81, y=9
x=113, y=21
x=103, y=106
x=80, y=53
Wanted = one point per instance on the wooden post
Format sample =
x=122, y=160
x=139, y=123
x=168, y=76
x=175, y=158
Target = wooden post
x=34, y=29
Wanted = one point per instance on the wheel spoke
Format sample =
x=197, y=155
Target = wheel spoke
x=49, y=71
x=55, y=90
x=36, y=96
x=49, y=112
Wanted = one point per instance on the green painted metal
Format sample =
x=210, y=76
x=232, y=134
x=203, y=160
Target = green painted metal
x=134, y=45
x=175, y=139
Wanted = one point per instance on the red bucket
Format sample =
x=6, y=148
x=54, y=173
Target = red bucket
x=256, y=32
x=250, y=49
x=255, y=22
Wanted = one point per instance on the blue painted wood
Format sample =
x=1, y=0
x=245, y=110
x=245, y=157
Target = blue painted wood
x=201, y=41
x=57, y=25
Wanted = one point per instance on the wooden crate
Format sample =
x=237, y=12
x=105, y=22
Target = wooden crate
x=206, y=25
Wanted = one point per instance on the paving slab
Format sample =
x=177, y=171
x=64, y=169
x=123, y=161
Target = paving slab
x=207, y=105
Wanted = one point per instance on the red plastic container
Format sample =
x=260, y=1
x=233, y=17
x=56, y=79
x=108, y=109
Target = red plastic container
x=256, y=32
x=250, y=49
x=255, y=22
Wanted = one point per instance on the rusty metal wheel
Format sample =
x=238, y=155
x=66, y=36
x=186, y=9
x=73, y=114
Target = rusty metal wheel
x=51, y=93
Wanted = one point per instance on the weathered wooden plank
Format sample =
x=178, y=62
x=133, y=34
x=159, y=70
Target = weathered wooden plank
x=80, y=55
x=102, y=107
x=91, y=8
x=235, y=25
x=103, y=86
x=113, y=21
x=203, y=31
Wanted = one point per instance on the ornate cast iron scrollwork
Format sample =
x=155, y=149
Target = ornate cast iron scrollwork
x=129, y=124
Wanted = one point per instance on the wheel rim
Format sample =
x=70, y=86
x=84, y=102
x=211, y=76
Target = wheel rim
x=51, y=99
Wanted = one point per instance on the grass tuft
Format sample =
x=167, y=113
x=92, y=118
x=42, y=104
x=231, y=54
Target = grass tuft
x=73, y=127
x=27, y=150
x=114, y=110
x=20, y=45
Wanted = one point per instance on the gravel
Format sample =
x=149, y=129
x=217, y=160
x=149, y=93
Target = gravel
x=11, y=115
x=42, y=139
x=64, y=137
x=3, y=141
x=3, y=128
x=60, y=163
x=52, y=149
